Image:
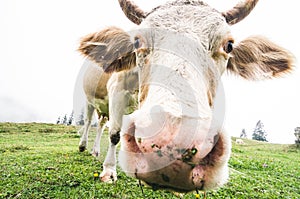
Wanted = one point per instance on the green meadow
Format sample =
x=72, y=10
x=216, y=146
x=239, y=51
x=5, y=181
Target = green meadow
x=42, y=161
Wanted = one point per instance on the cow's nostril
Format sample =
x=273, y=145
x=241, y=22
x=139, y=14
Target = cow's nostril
x=202, y=184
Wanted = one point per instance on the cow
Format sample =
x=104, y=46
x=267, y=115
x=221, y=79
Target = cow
x=103, y=90
x=239, y=141
x=174, y=140
x=96, y=99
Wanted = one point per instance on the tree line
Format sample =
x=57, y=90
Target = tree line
x=73, y=119
x=260, y=134
x=70, y=119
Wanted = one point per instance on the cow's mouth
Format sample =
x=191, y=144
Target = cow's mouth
x=199, y=165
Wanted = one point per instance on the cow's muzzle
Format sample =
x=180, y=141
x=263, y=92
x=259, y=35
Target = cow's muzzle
x=181, y=154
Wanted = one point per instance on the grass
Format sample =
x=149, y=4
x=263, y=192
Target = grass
x=42, y=161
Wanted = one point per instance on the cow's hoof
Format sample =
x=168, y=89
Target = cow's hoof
x=108, y=176
x=82, y=148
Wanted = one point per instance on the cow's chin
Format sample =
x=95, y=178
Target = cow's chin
x=180, y=154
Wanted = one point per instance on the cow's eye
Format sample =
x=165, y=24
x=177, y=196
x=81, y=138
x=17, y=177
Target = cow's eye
x=228, y=47
x=137, y=43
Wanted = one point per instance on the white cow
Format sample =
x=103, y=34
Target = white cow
x=173, y=140
x=120, y=100
x=239, y=141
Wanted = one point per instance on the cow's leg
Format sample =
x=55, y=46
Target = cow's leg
x=87, y=123
x=109, y=173
x=102, y=124
x=118, y=101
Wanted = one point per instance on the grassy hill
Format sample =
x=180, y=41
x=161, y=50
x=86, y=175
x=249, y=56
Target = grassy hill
x=42, y=161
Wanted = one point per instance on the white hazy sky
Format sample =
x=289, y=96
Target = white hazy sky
x=39, y=63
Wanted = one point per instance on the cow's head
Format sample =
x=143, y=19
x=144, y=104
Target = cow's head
x=181, y=49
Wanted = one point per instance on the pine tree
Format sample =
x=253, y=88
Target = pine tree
x=297, y=135
x=259, y=133
x=243, y=134
x=80, y=120
x=58, y=120
x=64, y=121
x=71, y=117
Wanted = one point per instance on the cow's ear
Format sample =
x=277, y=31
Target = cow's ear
x=110, y=48
x=257, y=58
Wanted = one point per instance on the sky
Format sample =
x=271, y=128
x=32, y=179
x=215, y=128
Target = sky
x=39, y=63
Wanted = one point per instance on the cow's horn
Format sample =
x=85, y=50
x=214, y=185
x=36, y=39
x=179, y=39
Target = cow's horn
x=132, y=11
x=239, y=12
